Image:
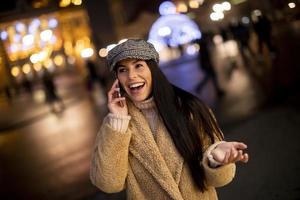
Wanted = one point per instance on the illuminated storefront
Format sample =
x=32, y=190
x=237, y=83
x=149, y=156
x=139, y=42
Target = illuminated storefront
x=56, y=41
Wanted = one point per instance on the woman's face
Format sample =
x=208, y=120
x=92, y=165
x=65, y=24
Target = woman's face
x=135, y=77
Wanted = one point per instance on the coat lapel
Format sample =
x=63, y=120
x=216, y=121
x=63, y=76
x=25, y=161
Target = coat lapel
x=169, y=152
x=144, y=148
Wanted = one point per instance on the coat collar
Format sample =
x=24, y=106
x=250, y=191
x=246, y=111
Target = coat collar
x=160, y=158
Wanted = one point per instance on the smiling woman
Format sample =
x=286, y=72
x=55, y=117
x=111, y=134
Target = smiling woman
x=158, y=141
x=135, y=78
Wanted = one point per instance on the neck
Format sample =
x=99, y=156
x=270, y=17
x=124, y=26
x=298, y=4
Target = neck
x=146, y=104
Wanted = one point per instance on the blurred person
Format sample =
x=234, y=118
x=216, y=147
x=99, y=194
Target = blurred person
x=93, y=76
x=52, y=98
x=205, y=64
x=7, y=93
x=27, y=85
x=241, y=33
x=158, y=141
x=263, y=29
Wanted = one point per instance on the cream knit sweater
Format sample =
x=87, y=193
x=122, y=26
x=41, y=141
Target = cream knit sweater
x=148, y=108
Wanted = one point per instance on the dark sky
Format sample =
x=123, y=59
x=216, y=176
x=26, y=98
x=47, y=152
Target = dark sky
x=135, y=7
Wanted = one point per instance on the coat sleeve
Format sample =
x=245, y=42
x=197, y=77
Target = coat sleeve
x=219, y=176
x=109, y=164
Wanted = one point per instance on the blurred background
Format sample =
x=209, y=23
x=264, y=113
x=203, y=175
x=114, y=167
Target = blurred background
x=239, y=56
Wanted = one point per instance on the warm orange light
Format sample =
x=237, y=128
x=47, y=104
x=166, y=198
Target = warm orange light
x=26, y=68
x=59, y=60
x=15, y=71
x=37, y=66
x=182, y=8
x=64, y=3
x=194, y=4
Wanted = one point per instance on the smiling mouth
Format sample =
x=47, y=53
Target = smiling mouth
x=136, y=87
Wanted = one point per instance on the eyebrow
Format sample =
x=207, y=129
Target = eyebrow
x=120, y=65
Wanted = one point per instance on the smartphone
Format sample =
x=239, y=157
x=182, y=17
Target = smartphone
x=119, y=93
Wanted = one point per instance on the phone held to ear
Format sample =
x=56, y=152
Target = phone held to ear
x=119, y=96
x=119, y=91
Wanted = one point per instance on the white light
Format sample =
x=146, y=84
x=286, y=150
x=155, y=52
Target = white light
x=245, y=20
x=164, y=31
x=257, y=12
x=46, y=35
x=36, y=22
x=292, y=5
x=214, y=16
x=34, y=58
x=53, y=39
x=226, y=5
x=52, y=23
x=17, y=38
x=4, y=35
x=14, y=48
x=88, y=52
x=121, y=41
x=32, y=29
x=28, y=40
x=184, y=30
x=220, y=15
x=191, y=50
x=20, y=27
x=167, y=8
x=103, y=52
x=217, y=8
x=110, y=47
x=37, y=57
x=77, y=2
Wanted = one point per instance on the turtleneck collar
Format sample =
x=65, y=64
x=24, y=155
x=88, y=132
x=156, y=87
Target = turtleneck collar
x=147, y=104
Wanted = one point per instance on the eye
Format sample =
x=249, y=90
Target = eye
x=121, y=69
x=138, y=65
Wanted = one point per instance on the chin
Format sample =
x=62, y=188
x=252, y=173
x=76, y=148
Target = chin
x=138, y=99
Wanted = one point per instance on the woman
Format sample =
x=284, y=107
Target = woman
x=158, y=141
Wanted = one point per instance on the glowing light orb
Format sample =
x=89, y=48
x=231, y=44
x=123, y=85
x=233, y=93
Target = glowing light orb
x=173, y=30
x=167, y=8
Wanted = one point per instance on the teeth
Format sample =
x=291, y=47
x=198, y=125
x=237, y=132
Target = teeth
x=135, y=85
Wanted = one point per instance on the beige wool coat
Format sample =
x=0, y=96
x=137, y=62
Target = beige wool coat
x=147, y=166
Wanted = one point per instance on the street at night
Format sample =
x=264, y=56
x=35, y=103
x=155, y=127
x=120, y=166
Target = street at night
x=45, y=151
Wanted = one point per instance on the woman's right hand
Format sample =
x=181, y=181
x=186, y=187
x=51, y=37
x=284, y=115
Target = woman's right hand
x=116, y=104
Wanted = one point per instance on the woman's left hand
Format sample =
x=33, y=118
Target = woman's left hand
x=230, y=152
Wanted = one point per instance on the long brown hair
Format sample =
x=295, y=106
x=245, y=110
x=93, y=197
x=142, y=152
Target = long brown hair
x=187, y=119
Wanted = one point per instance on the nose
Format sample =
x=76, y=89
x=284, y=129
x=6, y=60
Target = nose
x=132, y=74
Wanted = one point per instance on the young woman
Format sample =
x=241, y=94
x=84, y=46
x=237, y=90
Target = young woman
x=158, y=141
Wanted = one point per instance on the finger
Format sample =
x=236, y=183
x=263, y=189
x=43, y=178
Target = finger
x=245, y=158
x=233, y=154
x=117, y=100
x=114, y=85
x=225, y=161
x=112, y=92
x=239, y=156
x=239, y=145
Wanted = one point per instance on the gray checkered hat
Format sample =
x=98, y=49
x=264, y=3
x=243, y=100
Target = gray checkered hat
x=132, y=48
